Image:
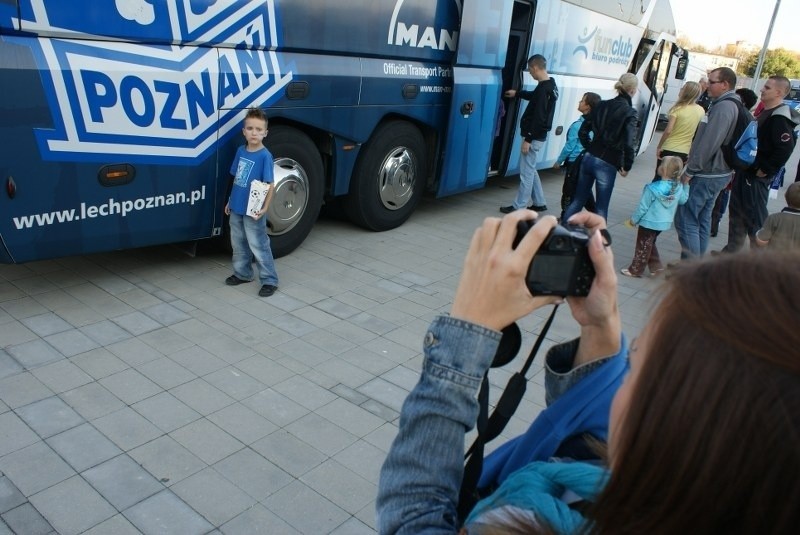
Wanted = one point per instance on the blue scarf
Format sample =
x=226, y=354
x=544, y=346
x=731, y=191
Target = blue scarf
x=538, y=487
x=584, y=408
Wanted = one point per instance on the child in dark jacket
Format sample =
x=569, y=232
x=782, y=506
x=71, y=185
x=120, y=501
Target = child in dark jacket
x=656, y=213
x=571, y=154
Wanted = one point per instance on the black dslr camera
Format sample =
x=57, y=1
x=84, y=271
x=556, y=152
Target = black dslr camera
x=562, y=265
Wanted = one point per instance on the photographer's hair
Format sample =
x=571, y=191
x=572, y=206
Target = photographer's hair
x=256, y=113
x=792, y=195
x=709, y=441
x=591, y=99
x=627, y=83
x=748, y=97
x=687, y=96
x=538, y=61
x=672, y=167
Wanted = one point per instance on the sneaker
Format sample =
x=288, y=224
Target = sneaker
x=627, y=273
x=541, y=208
x=233, y=280
x=267, y=290
x=507, y=209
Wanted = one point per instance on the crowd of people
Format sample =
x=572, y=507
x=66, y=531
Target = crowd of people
x=701, y=412
x=601, y=144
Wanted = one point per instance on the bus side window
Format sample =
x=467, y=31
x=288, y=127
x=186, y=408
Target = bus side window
x=683, y=65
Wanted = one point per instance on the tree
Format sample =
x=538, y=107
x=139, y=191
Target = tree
x=777, y=62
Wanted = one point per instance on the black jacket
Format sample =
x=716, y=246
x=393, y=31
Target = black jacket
x=704, y=100
x=775, y=138
x=614, y=124
x=537, y=120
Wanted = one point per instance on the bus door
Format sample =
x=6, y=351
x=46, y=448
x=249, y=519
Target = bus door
x=513, y=78
x=477, y=88
x=652, y=68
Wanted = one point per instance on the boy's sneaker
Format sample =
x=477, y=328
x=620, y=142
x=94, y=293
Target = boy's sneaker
x=267, y=290
x=233, y=280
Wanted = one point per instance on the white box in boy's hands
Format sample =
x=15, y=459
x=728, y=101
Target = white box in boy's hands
x=258, y=193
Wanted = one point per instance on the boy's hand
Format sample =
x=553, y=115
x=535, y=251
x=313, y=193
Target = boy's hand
x=228, y=208
x=510, y=93
x=556, y=166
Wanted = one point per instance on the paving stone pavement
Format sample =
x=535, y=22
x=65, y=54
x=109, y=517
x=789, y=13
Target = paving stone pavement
x=140, y=394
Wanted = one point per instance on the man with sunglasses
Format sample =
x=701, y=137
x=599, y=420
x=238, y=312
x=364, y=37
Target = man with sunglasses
x=706, y=170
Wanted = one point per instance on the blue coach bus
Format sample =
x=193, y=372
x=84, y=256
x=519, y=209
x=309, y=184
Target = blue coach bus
x=119, y=119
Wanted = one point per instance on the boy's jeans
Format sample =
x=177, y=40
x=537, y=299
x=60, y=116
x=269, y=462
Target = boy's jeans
x=530, y=185
x=249, y=239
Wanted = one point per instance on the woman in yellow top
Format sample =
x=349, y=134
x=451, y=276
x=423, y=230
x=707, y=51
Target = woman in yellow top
x=684, y=117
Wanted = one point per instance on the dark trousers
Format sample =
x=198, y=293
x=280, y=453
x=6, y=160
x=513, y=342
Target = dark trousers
x=570, y=185
x=683, y=156
x=646, y=253
x=719, y=210
x=748, y=209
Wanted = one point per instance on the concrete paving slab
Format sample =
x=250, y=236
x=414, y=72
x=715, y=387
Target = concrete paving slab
x=265, y=415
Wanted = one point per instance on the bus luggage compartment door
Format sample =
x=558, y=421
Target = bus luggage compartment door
x=475, y=104
x=471, y=129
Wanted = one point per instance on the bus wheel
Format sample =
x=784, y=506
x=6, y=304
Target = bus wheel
x=299, y=183
x=389, y=177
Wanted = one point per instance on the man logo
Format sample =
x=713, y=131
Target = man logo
x=413, y=35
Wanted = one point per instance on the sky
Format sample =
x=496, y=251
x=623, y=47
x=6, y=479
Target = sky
x=719, y=22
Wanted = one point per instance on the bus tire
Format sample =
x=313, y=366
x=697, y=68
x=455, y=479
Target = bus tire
x=299, y=184
x=389, y=177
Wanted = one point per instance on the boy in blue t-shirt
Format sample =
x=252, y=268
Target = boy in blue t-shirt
x=249, y=237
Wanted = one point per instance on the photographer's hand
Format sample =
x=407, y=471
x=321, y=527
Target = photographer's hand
x=492, y=290
x=597, y=313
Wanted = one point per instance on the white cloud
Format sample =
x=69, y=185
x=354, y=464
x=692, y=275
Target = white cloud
x=137, y=10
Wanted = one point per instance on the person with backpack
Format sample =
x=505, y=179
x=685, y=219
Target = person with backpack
x=776, y=141
x=749, y=99
x=707, y=170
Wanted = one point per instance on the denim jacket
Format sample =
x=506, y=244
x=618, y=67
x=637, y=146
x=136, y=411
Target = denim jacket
x=421, y=477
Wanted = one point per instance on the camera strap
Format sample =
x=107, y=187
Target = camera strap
x=489, y=427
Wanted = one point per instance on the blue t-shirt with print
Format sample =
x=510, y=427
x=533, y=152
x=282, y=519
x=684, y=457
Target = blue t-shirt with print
x=248, y=166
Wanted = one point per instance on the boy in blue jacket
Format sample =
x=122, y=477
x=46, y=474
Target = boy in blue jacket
x=570, y=156
x=655, y=213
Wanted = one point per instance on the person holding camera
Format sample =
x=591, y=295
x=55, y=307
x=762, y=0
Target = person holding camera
x=424, y=467
x=667, y=473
